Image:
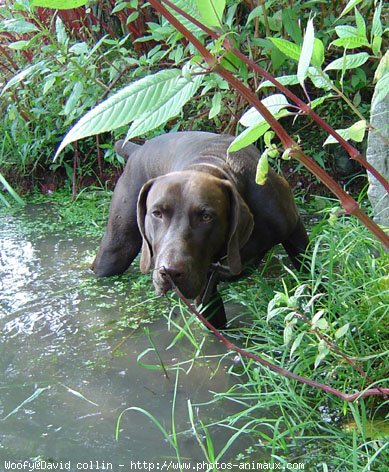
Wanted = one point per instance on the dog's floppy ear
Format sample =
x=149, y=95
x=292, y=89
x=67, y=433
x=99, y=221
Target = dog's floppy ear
x=240, y=228
x=147, y=252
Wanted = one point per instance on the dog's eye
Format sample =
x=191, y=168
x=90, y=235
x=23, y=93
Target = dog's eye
x=206, y=217
x=157, y=213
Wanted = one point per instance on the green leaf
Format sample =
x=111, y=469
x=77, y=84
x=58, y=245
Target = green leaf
x=356, y=132
x=248, y=136
x=20, y=45
x=351, y=42
x=211, y=11
x=340, y=332
x=262, y=169
x=10, y=190
x=62, y=37
x=18, y=26
x=73, y=98
x=168, y=106
x=351, y=61
x=317, y=316
x=288, y=48
x=376, y=45
x=350, y=37
x=351, y=4
x=320, y=100
x=361, y=25
x=59, y=4
x=288, y=332
x=321, y=324
x=255, y=13
x=268, y=137
x=31, y=398
x=376, y=28
x=306, y=52
x=323, y=351
x=319, y=78
x=274, y=103
x=284, y=80
x=296, y=343
x=381, y=89
x=254, y=132
x=190, y=7
x=24, y=74
x=318, y=53
x=216, y=105
x=290, y=23
x=124, y=106
x=345, y=31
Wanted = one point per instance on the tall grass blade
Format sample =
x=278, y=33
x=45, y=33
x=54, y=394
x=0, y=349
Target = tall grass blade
x=31, y=398
x=11, y=191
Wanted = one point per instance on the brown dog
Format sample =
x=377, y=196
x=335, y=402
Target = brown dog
x=190, y=207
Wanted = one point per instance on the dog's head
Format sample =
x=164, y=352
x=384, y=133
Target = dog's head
x=188, y=220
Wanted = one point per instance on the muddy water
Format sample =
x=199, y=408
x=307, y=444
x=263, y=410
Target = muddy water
x=61, y=387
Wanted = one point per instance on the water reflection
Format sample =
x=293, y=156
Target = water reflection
x=61, y=389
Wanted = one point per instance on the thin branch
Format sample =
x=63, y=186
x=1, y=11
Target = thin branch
x=353, y=152
x=350, y=205
x=348, y=397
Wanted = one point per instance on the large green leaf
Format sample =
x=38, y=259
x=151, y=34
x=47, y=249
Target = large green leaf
x=318, y=53
x=59, y=4
x=381, y=89
x=11, y=191
x=211, y=11
x=306, y=52
x=319, y=78
x=356, y=132
x=254, y=132
x=274, y=103
x=248, y=136
x=350, y=5
x=124, y=106
x=351, y=42
x=351, y=61
x=22, y=75
x=288, y=48
x=284, y=80
x=168, y=106
x=18, y=26
x=190, y=7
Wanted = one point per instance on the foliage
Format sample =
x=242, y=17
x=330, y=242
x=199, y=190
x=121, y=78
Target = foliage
x=344, y=300
x=69, y=77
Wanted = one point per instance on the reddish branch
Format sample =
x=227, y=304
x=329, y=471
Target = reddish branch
x=348, y=397
x=350, y=205
x=352, y=151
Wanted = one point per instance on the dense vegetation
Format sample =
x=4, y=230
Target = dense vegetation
x=58, y=66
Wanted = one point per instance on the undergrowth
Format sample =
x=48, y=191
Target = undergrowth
x=302, y=322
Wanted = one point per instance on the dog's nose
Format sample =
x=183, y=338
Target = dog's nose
x=173, y=272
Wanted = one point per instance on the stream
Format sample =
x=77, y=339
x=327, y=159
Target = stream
x=64, y=384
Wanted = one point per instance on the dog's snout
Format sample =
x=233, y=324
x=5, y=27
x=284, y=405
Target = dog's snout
x=174, y=272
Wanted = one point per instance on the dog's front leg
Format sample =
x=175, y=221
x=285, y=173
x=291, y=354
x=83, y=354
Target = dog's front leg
x=212, y=303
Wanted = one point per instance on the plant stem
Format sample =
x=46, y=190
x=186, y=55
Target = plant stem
x=350, y=205
x=348, y=397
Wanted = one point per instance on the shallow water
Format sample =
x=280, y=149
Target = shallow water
x=61, y=387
